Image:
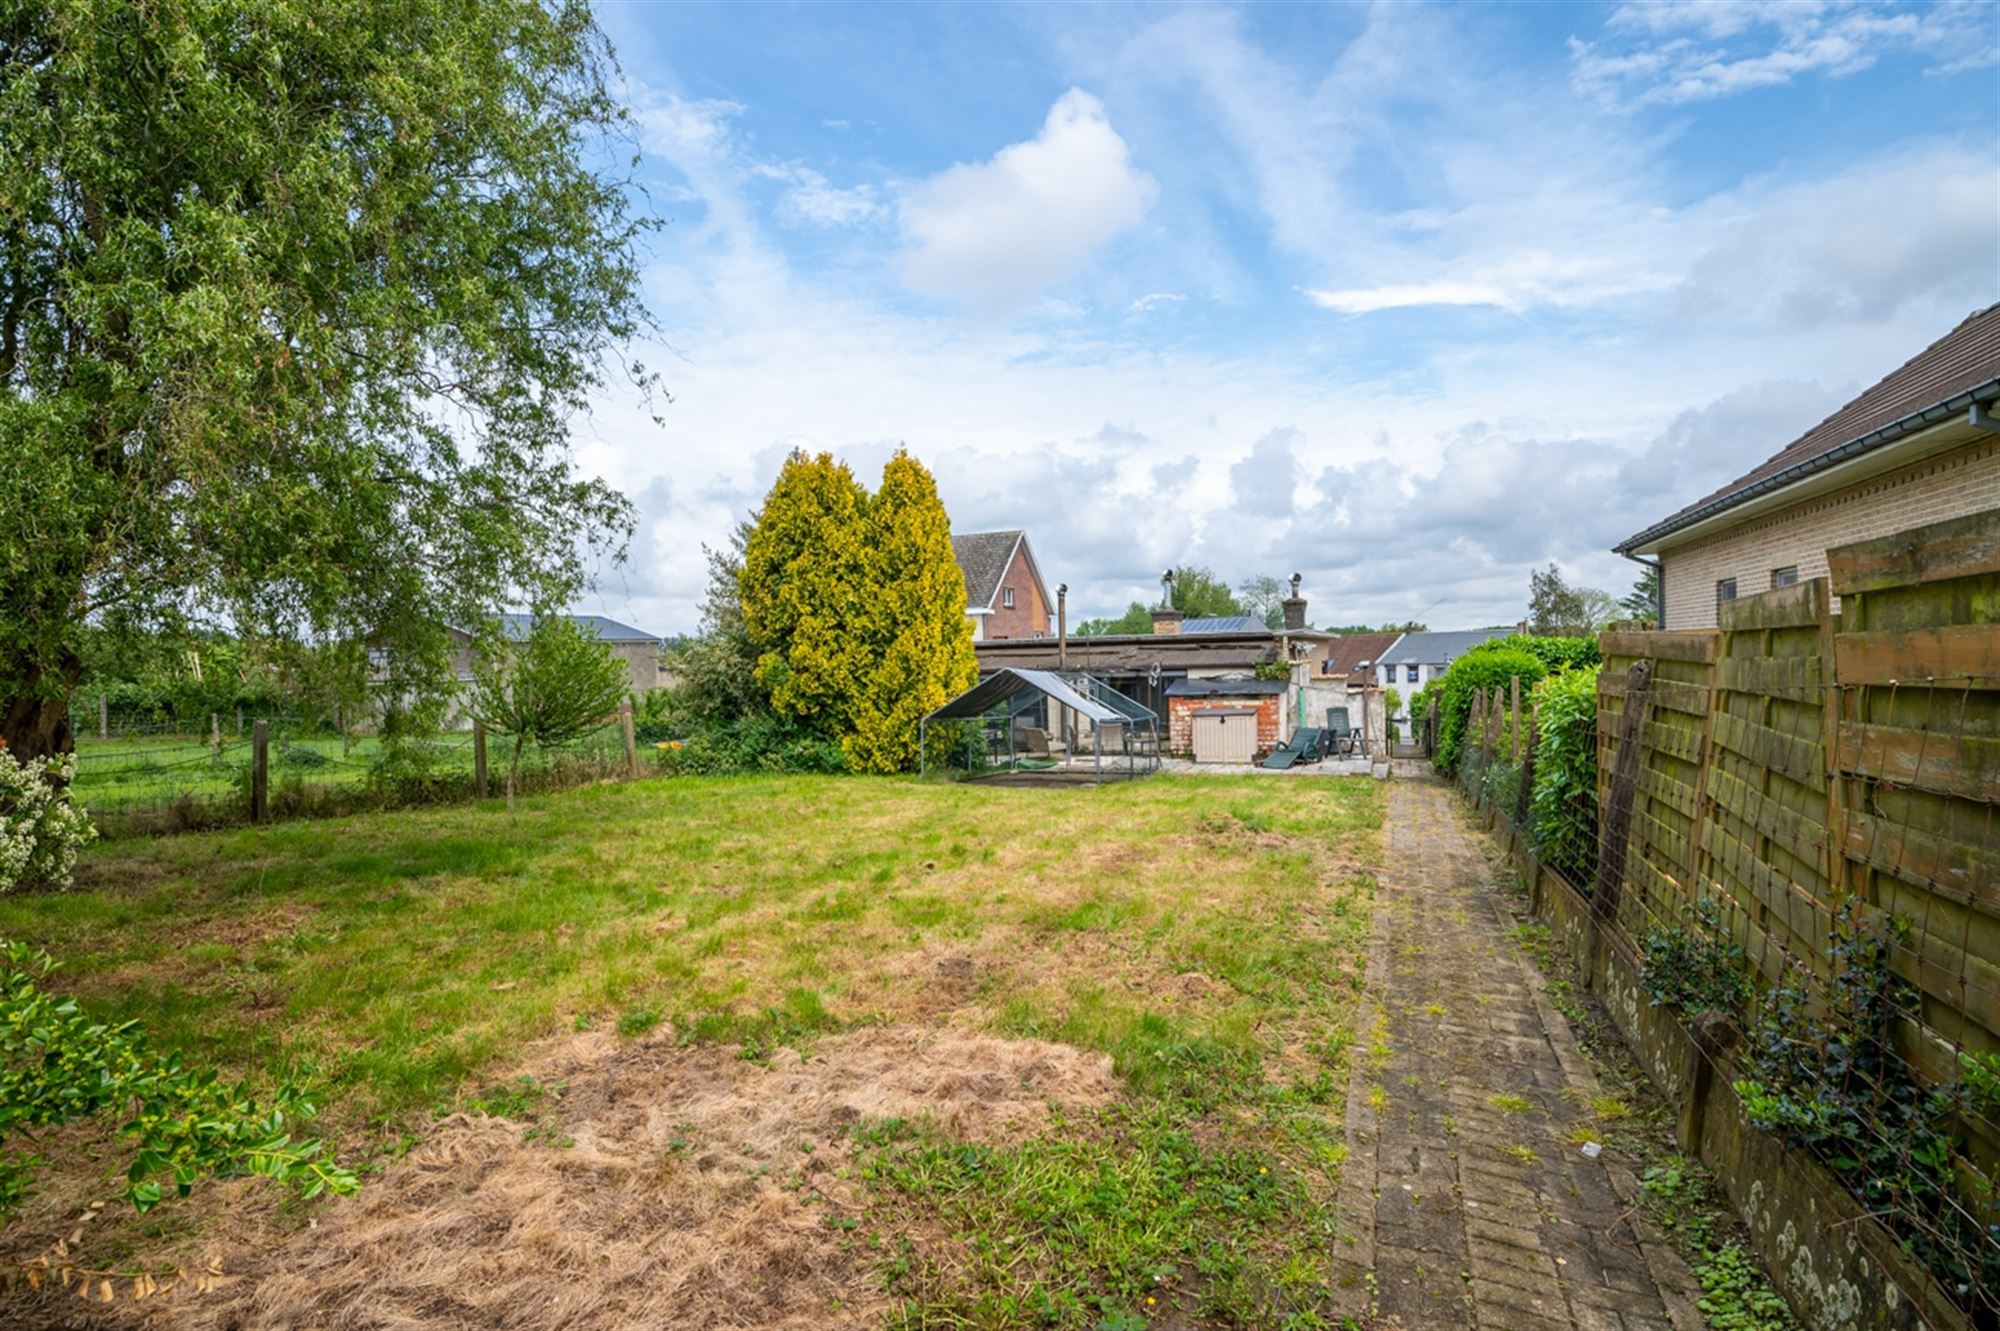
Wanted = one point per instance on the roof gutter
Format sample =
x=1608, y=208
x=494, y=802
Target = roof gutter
x=1972, y=402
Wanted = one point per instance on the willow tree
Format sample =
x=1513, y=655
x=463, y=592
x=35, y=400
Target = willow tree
x=914, y=623
x=297, y=301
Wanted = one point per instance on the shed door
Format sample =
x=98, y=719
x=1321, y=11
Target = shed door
x=1225, y=736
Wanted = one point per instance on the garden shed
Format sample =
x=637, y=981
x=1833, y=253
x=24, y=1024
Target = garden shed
x=1050, y=727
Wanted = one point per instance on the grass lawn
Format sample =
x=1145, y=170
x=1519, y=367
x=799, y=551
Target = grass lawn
x=1204, y=936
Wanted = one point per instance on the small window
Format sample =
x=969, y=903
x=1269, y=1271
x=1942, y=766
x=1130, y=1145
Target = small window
x=1787, y=576
x=1409, y=674
x=1007, y=597
x=1725, y=590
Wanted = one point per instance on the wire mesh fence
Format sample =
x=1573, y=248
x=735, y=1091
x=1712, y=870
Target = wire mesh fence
x=148, y=776
x=1793, y=828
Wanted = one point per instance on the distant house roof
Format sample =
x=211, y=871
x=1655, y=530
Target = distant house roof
x=1437, y=648
x=983, y=557
x=1357, y=653
x=517, y=626
x=1942, y=380
x=1225, y=688
x=1226, y=624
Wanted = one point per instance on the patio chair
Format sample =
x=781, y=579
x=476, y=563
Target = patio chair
x=1341, y=735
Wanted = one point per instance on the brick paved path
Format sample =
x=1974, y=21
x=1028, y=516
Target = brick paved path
x=1465, y=1202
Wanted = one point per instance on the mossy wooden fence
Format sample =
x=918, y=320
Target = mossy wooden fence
x=1830, y=741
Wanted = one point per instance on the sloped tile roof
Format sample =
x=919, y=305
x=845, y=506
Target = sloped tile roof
x=517, y=626
x=982, y=558
x=1353, y=652
x=1434, y=648
x=1965, y=359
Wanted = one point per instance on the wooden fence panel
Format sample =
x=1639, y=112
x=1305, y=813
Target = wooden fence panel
x=1915, y=755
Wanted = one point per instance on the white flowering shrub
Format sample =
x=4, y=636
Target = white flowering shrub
x=41, y=827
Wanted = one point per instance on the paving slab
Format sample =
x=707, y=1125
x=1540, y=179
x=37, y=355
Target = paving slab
x=1467, y=1200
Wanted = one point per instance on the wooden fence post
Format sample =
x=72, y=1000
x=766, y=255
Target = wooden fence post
x=215, y=736
x=260, y=771
x=479, y=758
x=1484, y=701
x=625, y=725
x=1525, y=795
x=1624, y=785
x=104, y=716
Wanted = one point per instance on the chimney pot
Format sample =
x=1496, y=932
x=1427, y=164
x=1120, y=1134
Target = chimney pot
x=1295, y=608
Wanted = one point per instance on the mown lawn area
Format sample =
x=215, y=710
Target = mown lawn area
x=1206, y=935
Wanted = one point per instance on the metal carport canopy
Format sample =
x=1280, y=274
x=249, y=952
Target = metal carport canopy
x=1002, y=685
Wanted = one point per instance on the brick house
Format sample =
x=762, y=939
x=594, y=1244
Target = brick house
x=1186, y=665
x=1918, y=447
x=1004, y=592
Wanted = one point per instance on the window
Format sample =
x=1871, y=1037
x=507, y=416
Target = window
x=1007, y=597
x=1409, y=674
x=1725, y=590
x=1785, y=577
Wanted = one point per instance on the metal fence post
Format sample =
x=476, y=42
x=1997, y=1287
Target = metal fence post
x=260, y=771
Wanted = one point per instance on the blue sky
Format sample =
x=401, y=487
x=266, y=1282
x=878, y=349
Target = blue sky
x=1406, y=299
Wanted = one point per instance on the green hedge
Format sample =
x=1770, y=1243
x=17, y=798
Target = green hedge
x=1563, y=806
x=1486, y=667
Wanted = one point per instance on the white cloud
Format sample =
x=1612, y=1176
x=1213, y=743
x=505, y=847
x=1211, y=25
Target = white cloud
x=993, y=234
x=1671, y=54
x=1367, y=300
x=812, y=200
x=1157, y=300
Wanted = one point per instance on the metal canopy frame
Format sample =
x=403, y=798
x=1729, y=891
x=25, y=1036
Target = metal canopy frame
x=1114, y=727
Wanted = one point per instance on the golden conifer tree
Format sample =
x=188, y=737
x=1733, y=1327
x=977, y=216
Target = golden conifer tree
x=916, y=635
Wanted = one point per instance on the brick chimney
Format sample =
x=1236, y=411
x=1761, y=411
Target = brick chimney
x=1295, y=608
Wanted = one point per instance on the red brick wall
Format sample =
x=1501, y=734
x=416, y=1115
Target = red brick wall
x=1029, y=617
x=1180, y=720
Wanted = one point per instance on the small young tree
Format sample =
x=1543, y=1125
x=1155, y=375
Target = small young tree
x=555, y=685
x=1556, y=609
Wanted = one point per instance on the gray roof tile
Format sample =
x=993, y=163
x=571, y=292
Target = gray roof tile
x=982, y=558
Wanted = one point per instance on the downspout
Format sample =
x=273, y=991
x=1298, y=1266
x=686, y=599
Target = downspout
x=1659, y=587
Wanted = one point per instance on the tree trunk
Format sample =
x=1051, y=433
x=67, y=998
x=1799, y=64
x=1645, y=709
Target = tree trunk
x=513, y=767
x=35, y=722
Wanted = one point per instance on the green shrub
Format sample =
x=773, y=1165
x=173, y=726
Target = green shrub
x=1693, y=966
x=57, y=1066
x=1563, y=808
x=1554, y=653
x=1486, y=667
